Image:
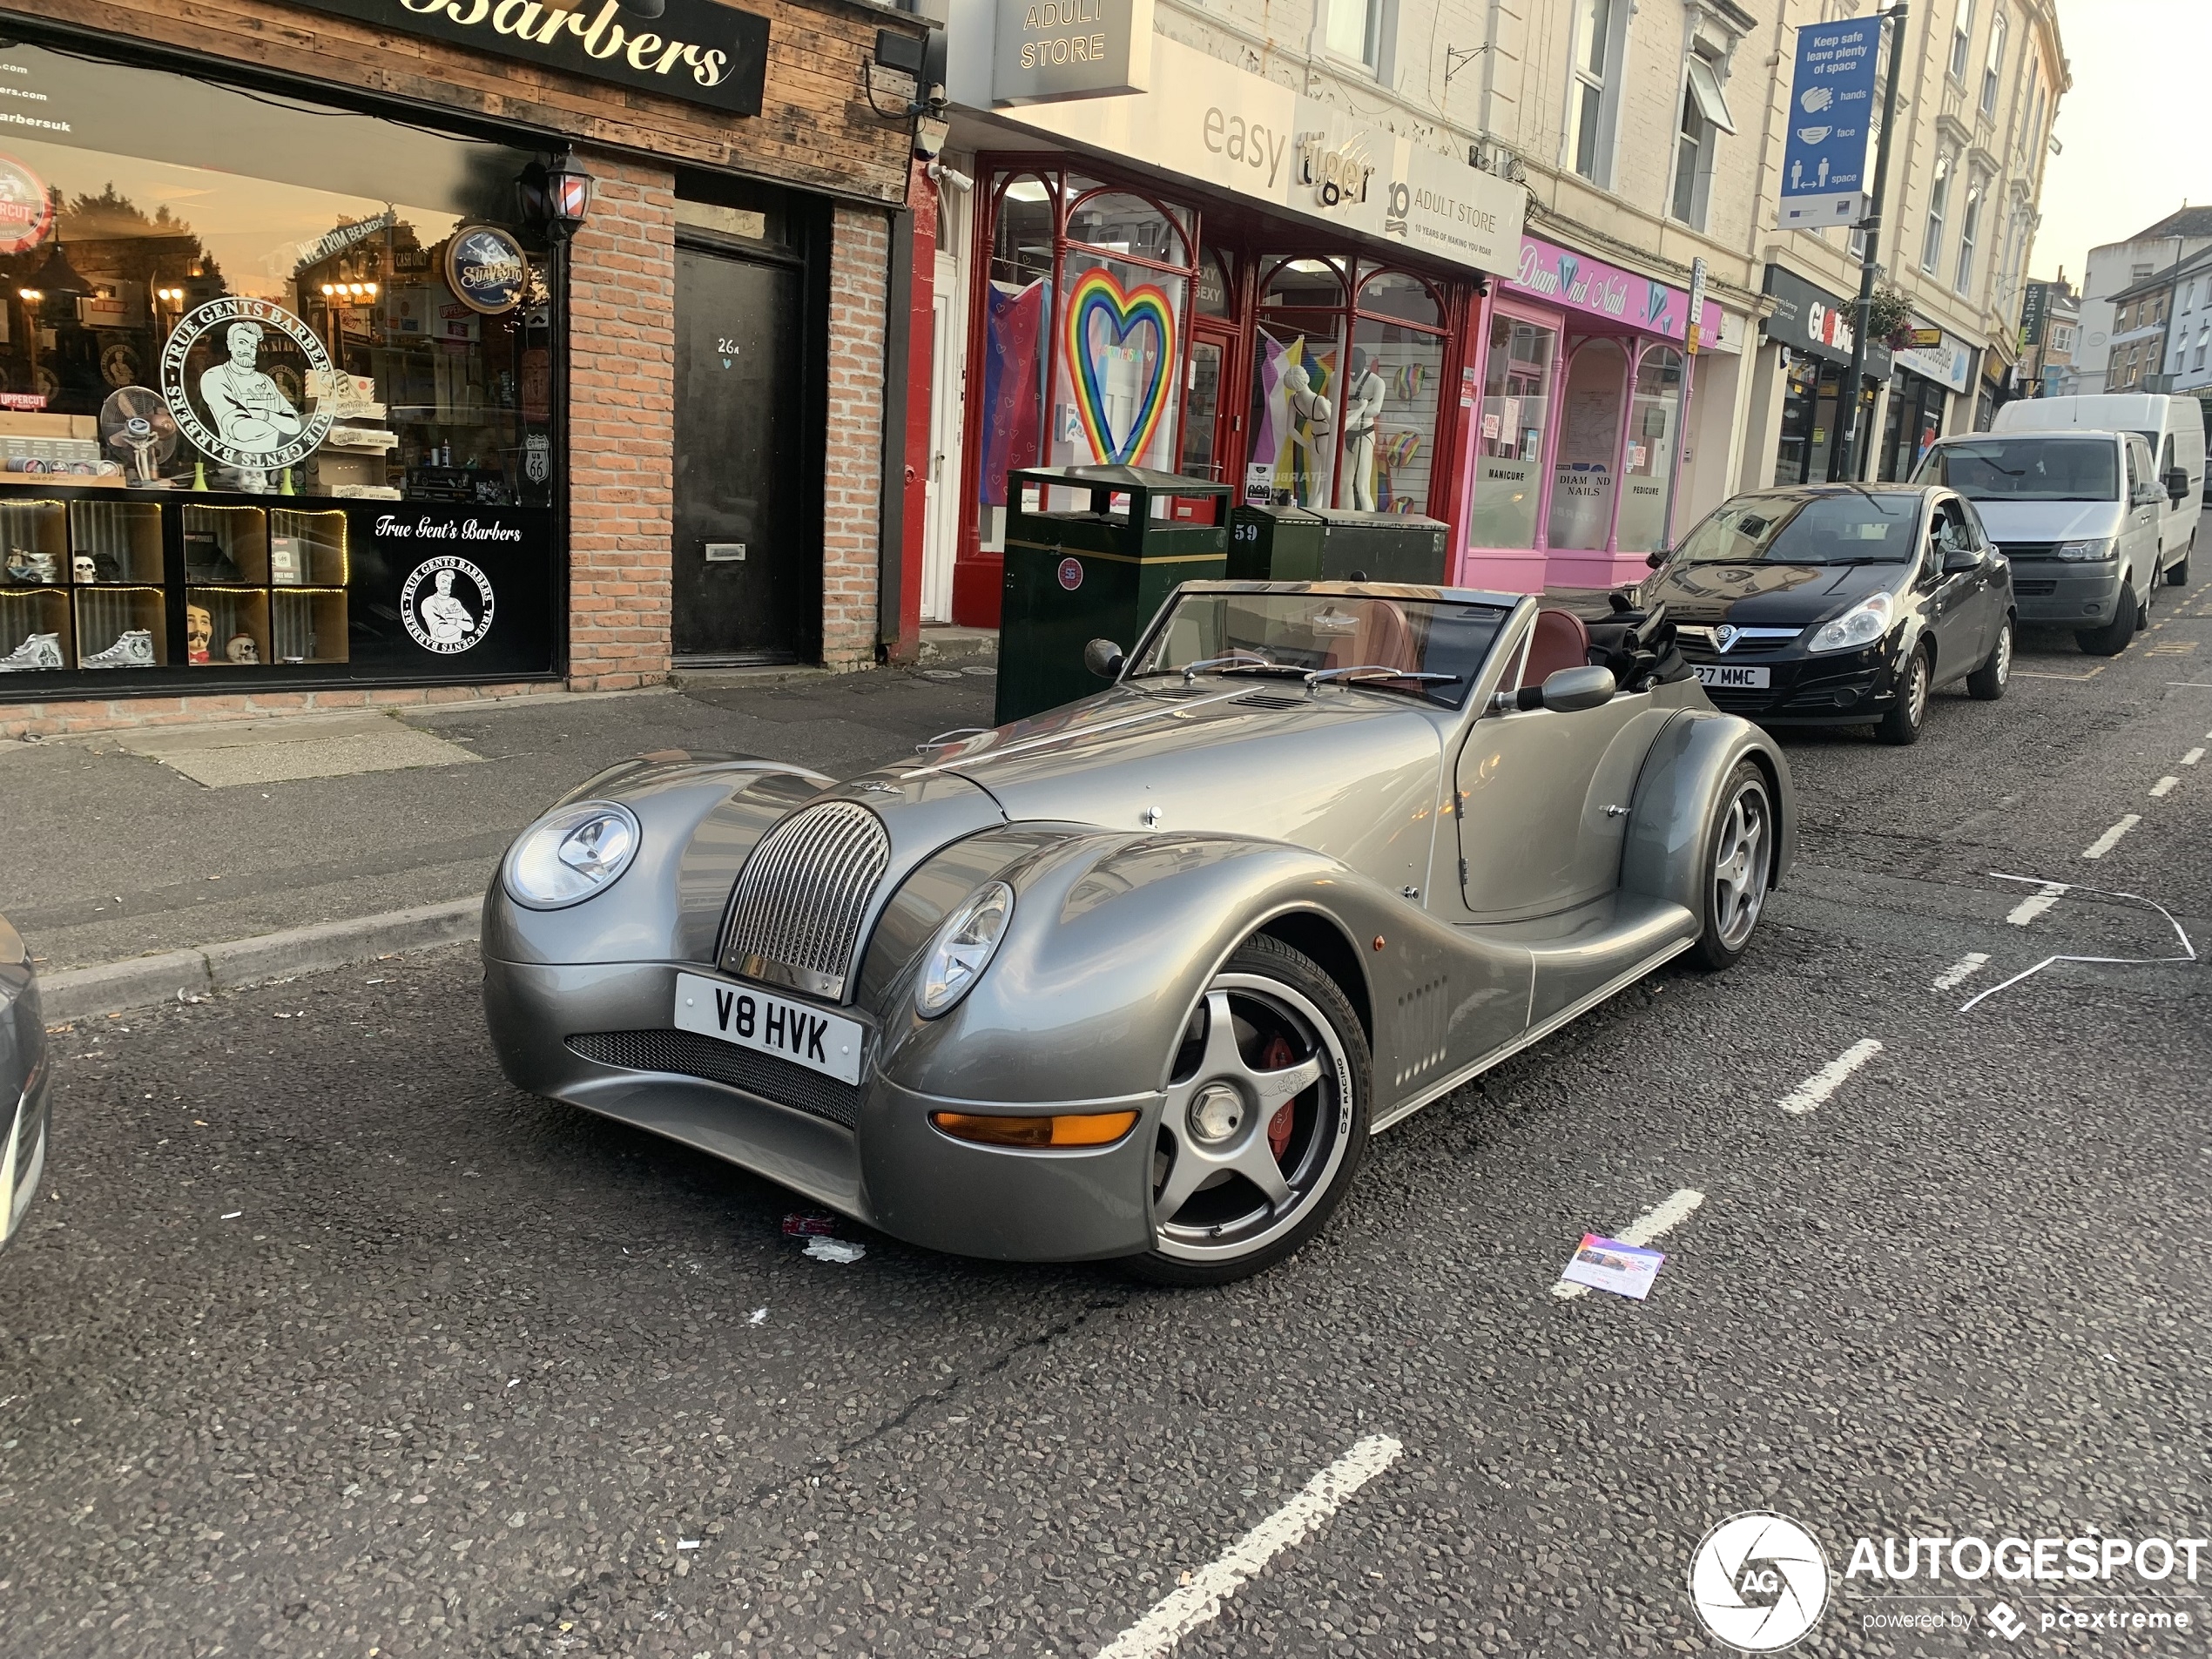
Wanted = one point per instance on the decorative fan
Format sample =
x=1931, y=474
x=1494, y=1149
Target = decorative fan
x=137, y=424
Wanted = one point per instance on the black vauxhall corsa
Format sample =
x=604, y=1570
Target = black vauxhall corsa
x=1839, y=604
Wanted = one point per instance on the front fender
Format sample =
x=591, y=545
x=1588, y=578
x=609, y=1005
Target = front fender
x=1665, y=855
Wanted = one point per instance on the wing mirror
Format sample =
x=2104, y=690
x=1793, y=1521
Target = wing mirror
x=2177, y=486
x=1956, y=559
x=1104, y=659
x=1656, y=557
x=1569, y=690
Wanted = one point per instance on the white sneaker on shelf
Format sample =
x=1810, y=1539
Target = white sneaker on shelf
x=133, y=649
x=39, y=651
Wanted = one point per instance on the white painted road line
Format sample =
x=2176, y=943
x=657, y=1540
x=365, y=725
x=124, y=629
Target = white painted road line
x=1817, y=1088
x=1655, y=1222
x=2110, y=839
x=1199, y=1601
x=1962, y=970
x=2164, y=787
x=2036, y=903
x=2194, y=755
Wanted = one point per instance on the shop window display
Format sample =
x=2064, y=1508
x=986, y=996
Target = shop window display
x=1391, y=395
x=1118, y=341
x=214, y=304
x=1655, y=416
x=1584, y=484
x=1017, y=303
x=1509, y=444
x=1297, y=366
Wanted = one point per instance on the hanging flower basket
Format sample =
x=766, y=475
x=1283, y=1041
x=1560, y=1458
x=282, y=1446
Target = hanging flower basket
x=1889, y=318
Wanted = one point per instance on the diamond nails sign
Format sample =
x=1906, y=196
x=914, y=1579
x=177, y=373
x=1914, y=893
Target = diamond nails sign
x=699, y=52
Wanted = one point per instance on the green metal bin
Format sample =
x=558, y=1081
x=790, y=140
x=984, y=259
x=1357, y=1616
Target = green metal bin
x=1276, y=544
x=1319, y=544
x=1097, y=571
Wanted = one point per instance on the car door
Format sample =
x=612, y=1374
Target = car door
x=1953, y=615
x=1987, y=590
x=2139, y=541
x=1543, y=802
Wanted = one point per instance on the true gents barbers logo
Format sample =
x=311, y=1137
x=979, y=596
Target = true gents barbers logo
x=1761, y=1582
x=226, y=402
x=697, y=50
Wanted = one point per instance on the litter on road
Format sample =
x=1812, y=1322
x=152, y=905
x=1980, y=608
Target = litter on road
x=798, y=1226
x=2189, y=950
x=1607, y=1265
x=1654, y=1224
x=758, y=1316
x=835, y=1249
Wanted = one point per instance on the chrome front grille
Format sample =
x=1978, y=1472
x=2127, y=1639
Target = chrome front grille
x=795, y=918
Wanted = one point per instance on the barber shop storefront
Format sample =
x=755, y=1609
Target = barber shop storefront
x=1301, y=341
x=1812, y=329
x=301, y=390
x=1583, y=380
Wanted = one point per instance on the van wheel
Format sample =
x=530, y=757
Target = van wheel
x=2177, y=574
x=2111, y=639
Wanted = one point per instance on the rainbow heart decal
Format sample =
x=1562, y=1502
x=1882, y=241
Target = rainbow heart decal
x=1101, y=319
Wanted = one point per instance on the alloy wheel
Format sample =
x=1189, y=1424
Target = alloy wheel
x=1740, y=863
x=2004, y=663
x=1259, y=1112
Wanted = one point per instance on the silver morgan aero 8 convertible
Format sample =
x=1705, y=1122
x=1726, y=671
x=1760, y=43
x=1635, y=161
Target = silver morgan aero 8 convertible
x=1137, y=978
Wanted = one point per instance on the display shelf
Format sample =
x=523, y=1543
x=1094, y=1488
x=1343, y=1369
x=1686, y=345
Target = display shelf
x=25, y=611
x=316, y=542
x=123, y=539
x=307, y=625
x=234, y=613
x=105, y=614
x=37, y=531
x=239, y=534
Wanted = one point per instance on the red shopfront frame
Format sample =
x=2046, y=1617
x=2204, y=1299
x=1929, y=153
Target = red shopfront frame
x=1251, y=243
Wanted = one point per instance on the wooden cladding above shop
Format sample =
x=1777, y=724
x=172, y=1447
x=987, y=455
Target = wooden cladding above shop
x=694, y=51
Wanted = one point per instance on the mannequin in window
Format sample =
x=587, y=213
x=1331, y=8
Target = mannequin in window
x=1362, y=405
x=1309, y=417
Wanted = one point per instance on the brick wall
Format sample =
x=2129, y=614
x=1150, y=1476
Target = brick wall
x=853, y=472
x=622, y=413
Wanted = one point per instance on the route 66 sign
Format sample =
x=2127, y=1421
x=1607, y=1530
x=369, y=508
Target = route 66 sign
x=537, y=457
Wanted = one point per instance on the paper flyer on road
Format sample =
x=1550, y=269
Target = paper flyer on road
x=1608, y=1264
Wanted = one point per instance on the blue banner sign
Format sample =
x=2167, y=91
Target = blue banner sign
x=1825, y=159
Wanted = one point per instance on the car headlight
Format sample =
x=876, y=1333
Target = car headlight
x=2093, y=551
x=1863, y=625
x=567, y=856
x=963, y=949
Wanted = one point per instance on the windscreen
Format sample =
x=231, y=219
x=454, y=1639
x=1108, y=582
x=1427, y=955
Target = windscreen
x=1430, y=649
x=2026, y=468
x=1860, y=528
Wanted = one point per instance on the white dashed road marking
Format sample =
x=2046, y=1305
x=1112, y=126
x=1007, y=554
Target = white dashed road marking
x=1199, y=1601
x=1817, y=1088
x=2162, y=786
x=2192, y=756
x=2110, y=839
x=2036, y=903
x=1655, y=1222
x=1960, y=971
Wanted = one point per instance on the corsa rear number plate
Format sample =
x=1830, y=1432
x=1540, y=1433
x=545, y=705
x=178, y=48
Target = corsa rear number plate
x=1729, y=678
x=826, y=1042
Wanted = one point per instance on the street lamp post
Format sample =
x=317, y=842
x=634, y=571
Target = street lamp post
x=1869, y=263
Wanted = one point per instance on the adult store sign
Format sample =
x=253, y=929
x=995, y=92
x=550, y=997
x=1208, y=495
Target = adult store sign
x=1207, y=121
x=1060, y=48
x=696, y=51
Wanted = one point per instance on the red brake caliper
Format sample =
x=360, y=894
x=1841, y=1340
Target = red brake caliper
x=1279, y=1056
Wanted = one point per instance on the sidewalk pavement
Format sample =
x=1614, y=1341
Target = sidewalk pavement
x=143, y=843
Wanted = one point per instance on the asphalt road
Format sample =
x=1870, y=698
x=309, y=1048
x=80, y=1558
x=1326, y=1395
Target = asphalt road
x=325, y=1341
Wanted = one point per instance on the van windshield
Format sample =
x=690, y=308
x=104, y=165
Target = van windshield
x=2026, y=468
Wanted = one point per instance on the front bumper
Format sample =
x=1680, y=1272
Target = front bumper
x=2072, y=595
x=1837, y=688
x=601, y=1037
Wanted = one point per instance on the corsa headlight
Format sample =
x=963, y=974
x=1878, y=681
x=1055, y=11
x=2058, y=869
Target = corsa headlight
x=567, y=856
x=2096, y=551
x=1861, y=625
x=963, y=949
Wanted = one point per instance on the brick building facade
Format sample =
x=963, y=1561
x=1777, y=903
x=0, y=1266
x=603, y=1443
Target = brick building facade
x=726, y=292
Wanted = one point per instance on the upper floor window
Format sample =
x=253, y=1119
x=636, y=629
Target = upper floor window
x=1939, y=201
x=1969, y=233
x=1355, y=31
x=1704, y=116
x=1993, y=68
x=1962, y=33
x=1597, y=54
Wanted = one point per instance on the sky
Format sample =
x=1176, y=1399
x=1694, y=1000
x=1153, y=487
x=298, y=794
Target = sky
x=2136, y=128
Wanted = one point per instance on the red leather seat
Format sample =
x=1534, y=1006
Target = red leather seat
x=1560, y=642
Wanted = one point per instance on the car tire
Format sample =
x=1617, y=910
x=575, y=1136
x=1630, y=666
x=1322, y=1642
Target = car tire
x=2111, y=639
x=1915, y=685
x=1737, y=855
x=2177, y=574
x=1987, y=683
x=1226, y=1227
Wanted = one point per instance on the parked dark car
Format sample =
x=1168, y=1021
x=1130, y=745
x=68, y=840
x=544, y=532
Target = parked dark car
x=1839, y=604
x=23, y=1082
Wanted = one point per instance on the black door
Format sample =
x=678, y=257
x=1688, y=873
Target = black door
x=747, y=579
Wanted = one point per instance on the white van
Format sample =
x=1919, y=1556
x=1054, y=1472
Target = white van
x=2173, y=427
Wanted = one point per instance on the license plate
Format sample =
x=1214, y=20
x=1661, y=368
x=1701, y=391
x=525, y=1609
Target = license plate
x=828, y=1043
x=1729, y=678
